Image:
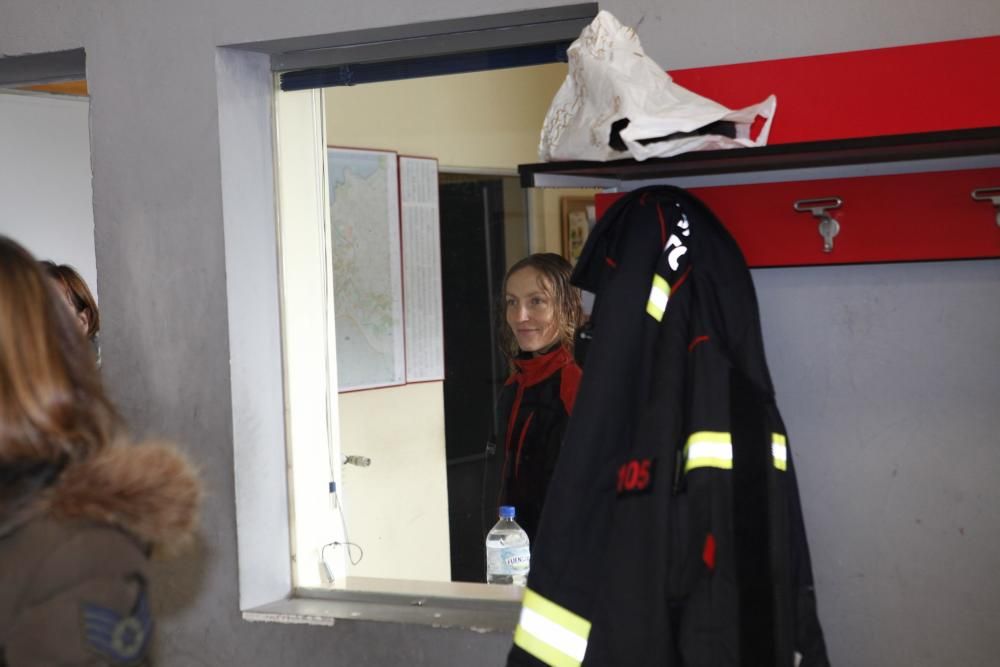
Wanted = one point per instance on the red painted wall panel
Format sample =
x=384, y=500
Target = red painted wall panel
x=898, y=90
x=905, y=217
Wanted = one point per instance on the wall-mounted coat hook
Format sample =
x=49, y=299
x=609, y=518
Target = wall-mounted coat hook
x=828, y=225
x=990, y=195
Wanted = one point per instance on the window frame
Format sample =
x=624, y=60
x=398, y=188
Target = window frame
x=266, y=497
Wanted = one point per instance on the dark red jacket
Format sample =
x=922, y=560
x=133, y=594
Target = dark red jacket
x=533, y=410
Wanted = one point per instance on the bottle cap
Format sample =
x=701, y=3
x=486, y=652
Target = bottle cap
x=507, y=512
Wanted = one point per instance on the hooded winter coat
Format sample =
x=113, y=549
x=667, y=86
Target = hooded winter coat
x=74, y=548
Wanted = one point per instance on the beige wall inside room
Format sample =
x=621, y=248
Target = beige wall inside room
x=484, y=121
x=401, y=429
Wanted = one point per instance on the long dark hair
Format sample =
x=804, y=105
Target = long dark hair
x=554, y=273
x=52, y=403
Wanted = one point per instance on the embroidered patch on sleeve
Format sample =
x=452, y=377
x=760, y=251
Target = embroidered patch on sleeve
x=121, y=640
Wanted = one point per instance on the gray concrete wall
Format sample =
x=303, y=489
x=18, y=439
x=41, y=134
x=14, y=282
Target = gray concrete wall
x=887, y=375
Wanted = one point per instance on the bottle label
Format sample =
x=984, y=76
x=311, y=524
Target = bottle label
x=516, y=560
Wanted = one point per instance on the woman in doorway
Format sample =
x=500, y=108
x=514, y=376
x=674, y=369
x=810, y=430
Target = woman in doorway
x=81, y=506
x=541, y=312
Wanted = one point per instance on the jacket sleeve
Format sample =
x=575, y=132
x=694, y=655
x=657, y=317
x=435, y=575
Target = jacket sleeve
x=85, y=605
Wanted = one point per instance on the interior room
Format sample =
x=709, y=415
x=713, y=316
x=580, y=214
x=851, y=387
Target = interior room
x=188, y=181
x=478, y=127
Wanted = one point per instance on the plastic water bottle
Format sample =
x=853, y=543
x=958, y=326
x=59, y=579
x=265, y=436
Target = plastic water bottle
x=508, y=556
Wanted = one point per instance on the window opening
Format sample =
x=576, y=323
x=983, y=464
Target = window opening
x=508, y=223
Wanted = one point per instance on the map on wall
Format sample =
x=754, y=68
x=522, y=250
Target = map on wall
x=367, y=281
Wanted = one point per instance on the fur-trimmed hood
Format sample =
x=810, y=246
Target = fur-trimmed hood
x=150, y=490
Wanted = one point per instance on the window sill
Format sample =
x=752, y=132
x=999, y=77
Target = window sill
x=476, y=607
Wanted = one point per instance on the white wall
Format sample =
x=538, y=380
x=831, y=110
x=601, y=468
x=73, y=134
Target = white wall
x=45, y=186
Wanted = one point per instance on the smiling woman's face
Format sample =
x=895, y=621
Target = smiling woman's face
x=531, y=313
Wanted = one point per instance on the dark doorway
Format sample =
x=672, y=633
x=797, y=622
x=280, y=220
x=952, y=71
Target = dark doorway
x=472, y=267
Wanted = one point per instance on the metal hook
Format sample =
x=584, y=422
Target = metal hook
x=990, y=195
x=828, y=225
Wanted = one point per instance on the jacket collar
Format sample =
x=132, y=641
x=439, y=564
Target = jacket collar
x=149, y=490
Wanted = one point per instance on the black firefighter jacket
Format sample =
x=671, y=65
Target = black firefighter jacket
x=672, y=532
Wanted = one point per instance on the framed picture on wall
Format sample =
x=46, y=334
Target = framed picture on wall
x=578, y=218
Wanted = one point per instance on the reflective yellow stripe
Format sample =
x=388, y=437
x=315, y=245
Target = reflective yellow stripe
x=708, y=449
x=542, y=651
x=714, y=449
x=659, y=294
x=779, y=451
x=551, y=633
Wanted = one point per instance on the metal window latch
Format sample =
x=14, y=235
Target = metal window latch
x=828, y=225
x=990, y=195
